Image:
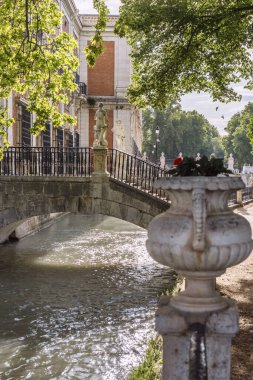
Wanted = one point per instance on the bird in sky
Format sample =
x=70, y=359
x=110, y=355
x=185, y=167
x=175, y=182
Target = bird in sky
x=217, y=108
x=223, y=117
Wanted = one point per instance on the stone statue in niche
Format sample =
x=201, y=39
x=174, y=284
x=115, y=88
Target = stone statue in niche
x=120, y=136
x=231, y=162
x=100, y=130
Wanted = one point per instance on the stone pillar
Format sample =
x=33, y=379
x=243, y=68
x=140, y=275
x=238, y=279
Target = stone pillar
x=176, y=341
x=100, y=161
x=175, y=328
x=221, y=328
x=239, y=197
x=99, y=179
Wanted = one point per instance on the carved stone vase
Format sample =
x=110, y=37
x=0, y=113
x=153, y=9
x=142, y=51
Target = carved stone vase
x=199, y=236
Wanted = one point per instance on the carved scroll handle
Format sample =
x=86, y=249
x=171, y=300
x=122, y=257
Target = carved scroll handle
x=199, y=219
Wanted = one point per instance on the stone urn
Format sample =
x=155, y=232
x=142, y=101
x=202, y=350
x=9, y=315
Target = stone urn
x=199, y=236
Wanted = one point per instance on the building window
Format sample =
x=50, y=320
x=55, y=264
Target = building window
x=46, y=136
x=77, y=140
x=59, y=138
x=70, y=140
x=25, y=125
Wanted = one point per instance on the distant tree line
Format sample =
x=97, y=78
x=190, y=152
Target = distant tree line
x=239, y=137
x=191, y=133
x=179, y=131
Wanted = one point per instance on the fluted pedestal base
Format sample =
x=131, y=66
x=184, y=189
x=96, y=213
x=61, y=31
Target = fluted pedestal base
x=176, y=329
x=200, y=295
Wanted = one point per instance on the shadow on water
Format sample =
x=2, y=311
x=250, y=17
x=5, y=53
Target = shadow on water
x=69, y=313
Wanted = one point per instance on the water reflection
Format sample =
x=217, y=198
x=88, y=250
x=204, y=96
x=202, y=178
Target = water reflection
x=78, y=301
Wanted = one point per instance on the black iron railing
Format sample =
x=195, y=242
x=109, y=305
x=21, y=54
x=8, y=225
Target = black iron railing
x=134, y=171
x=247, y=194
x=233, y=198
x=51, y=161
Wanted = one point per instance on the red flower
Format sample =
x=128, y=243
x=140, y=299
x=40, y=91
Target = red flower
x=177, y=161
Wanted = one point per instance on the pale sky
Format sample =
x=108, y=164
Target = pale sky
x=199, y=102
x=85, y=6
x=204, y=105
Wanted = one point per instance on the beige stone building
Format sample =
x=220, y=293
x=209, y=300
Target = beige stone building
x=106, y=83
x=19, y=134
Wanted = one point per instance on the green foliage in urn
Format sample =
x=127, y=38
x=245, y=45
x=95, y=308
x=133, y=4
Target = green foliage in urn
x=37, y=61
x=203, y=167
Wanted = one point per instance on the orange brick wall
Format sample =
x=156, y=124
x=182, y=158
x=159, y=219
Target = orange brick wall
x=92, y=122
x=101, y=77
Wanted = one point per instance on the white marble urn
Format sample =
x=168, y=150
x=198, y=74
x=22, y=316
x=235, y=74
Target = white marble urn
x=199, y=237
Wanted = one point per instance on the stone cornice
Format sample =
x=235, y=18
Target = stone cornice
x=73, y=12
x=111, y=102
x=89, y=20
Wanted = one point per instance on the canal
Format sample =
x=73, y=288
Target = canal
x=78, y=301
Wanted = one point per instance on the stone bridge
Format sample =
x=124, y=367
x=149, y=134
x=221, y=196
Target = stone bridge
x=28, y=196
x=42, y=181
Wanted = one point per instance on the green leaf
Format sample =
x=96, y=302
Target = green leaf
x=36, y=60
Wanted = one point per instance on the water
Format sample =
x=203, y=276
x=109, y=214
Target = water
x=77, y=301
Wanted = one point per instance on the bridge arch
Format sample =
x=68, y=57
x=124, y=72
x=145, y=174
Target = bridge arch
x=26, y=197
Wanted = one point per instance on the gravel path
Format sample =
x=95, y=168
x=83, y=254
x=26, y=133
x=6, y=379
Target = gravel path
x=237, y=284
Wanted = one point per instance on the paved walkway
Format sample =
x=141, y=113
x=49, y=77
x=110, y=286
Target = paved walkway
x=237, y=283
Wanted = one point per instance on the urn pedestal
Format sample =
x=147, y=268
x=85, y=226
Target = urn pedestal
x=199, y=237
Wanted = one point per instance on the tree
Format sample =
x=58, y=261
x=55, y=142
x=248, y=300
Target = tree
x=238, y=139
x=187, y=45
x=180, y=131
x=96, y=47
x=36, y=60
